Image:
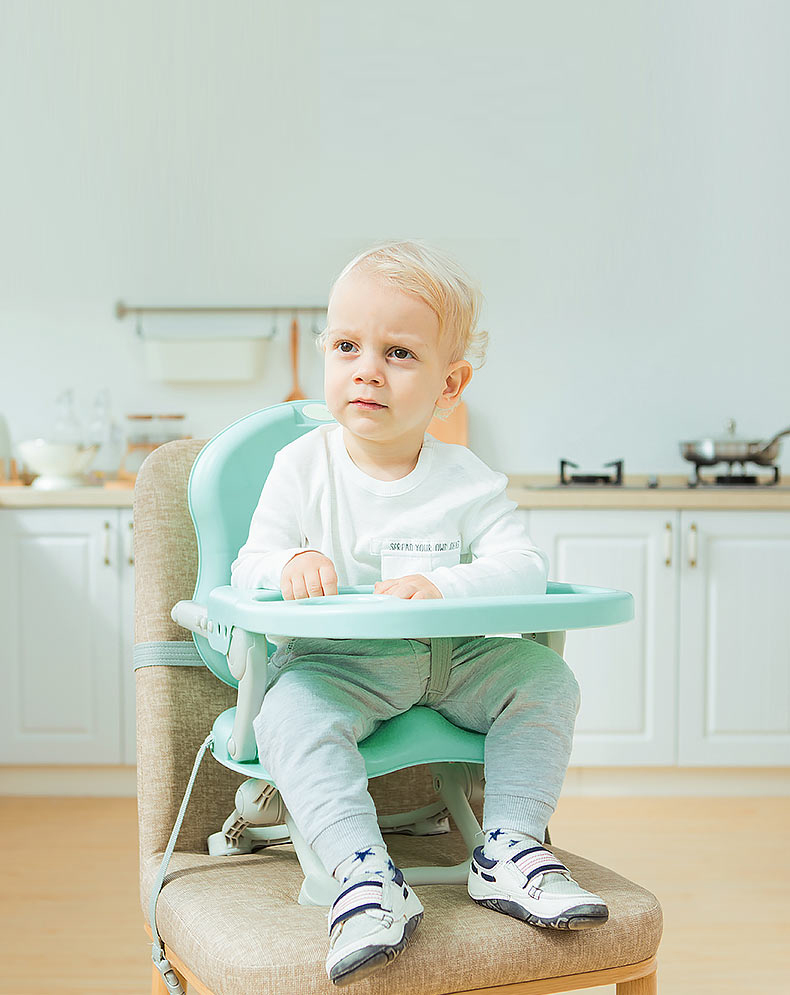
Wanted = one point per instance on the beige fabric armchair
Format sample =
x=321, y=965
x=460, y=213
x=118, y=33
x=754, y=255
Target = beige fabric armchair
x=232, y=925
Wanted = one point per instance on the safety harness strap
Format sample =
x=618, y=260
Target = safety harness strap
x=158, y=950
x=441, y=660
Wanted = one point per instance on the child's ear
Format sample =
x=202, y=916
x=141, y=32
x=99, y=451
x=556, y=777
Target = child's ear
x=455, y=383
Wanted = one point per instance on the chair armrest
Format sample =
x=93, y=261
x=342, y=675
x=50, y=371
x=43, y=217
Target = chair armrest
x=247, y=661
x=190, y=615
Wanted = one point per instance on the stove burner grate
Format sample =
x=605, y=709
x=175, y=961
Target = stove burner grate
x=733, y=479
x=606, y=479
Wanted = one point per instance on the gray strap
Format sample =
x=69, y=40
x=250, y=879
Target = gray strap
x=441, y=658
x=158, y=950
x=167, y=654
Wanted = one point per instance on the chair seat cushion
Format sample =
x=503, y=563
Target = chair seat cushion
x=235, y=922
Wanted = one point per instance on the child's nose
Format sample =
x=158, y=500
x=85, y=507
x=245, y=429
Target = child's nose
x=368, y=371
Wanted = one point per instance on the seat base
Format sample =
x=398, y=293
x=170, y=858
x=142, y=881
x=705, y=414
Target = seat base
x=635, y=979
x=418, y=736
x=455, y=783
x=224, y=919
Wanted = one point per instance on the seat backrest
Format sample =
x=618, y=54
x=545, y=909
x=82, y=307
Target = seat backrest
x=224, y=487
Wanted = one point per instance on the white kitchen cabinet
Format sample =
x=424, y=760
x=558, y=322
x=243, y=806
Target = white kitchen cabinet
x=734, y=646
x=701, y=676
x=65, y=601
x=626, y=672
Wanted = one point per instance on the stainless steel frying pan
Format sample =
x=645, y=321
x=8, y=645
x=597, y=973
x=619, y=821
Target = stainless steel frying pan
x=731, y=449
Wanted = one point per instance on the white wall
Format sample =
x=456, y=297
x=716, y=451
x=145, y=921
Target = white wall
x=614, y=173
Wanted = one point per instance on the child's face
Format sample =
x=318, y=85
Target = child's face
x=384, y=368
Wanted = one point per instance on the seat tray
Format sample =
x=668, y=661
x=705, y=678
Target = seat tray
x=358, y=613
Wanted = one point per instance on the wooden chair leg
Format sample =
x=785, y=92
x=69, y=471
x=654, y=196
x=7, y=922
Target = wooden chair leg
x=639, y=986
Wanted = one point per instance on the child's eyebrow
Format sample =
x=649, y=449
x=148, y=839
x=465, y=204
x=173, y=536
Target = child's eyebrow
x=417, y=341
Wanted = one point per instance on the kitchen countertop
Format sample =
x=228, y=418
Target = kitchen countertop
x=673, y=493
x=528, y=491
x=74, y=497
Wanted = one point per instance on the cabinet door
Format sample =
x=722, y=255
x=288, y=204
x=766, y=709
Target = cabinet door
x=735, y=638
x=59, y=620
x=626, y=672
x=126, y=562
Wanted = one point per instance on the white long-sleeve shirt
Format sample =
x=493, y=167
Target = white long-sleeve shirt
x=448, y=519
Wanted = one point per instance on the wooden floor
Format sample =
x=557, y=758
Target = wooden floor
x=71, y=923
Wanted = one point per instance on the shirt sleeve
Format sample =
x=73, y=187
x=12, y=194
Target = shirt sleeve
x=275, y=532
x=505, y=560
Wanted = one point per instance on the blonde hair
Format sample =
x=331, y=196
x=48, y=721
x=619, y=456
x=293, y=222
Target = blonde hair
x=437, y=280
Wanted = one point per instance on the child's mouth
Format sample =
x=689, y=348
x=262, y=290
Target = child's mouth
x=369, y=405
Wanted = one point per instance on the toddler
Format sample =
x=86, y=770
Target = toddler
x=375, y=500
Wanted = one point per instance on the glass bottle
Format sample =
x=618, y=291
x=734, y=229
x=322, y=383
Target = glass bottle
x=104, y=432
x=68, y=427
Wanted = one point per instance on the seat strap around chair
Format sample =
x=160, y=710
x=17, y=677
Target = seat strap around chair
x=161, y=962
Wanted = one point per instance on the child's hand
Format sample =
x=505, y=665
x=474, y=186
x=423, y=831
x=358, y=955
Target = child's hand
x=413, y=586
x=308, y=575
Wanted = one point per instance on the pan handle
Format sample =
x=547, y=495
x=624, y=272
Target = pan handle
x=776, y=438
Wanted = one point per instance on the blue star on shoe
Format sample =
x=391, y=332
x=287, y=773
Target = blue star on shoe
x=360, y=855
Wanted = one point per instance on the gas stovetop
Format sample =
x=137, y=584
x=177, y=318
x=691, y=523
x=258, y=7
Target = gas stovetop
x=612, y=475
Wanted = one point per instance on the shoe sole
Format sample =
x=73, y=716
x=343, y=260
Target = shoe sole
x=361, y=963
x=579, y=917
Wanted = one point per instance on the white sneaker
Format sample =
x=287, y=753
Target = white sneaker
x=370, y=922
x=512, y=885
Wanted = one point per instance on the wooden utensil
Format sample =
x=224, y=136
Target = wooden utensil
x=454, y=428
x=296, y=391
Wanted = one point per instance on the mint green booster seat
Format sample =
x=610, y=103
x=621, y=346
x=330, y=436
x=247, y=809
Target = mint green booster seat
x=230, y=629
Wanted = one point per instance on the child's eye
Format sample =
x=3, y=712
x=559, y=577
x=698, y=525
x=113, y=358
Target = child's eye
x=341, y=346
x=400, y=353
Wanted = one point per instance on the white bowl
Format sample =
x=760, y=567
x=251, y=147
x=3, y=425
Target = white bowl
x=58, y=464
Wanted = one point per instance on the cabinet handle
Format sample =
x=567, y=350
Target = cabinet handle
x=668, y=544
x=107, y=544
x=130, y=544
x=693, y=544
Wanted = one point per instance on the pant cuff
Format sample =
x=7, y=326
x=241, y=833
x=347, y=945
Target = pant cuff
x=338, y=841
x=522, y=815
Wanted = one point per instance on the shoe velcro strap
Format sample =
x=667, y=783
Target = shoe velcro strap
x=356, y=898
x=537, y=860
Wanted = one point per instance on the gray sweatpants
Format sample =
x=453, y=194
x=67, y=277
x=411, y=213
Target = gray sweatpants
x=326, y=695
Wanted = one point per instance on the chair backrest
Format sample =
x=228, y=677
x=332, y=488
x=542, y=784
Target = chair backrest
x=176, y=705
x=224, y=487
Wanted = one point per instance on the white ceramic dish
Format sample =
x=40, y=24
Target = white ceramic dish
x=58, y=464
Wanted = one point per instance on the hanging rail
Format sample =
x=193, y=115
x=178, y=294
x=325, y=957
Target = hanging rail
x=121, y=309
